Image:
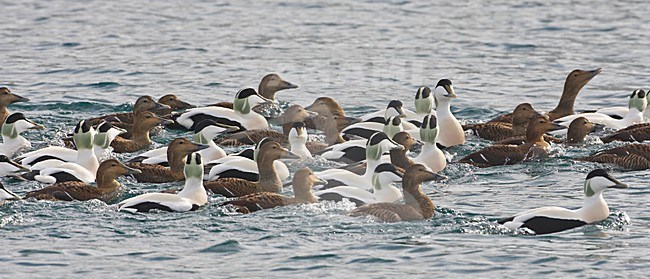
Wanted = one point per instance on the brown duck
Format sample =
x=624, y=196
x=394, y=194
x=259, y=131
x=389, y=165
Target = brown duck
x=634, y=133
x=144, y=103
x=7, y=98
x=144, y=122
x=417, y=205
x=107, y=186
x=332, y=130
x=534, y=146
x=574, y=82
x=269, y=85
x=398, y=157
x=177, y=150
x=292, y=114
x=303, y=181
x=632, y=157
x=174, y=104
x=325, y=107
x=496, y=131
x=577, y=132
x=269, y=181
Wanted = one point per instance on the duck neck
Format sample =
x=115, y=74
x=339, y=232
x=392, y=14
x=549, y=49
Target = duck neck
x=14, y=143
x=305, y=195
x=140, y=133
x=286, y=128
x=371, y=165
x=414, y=196
x=332, y=134
x=106, y=181
x=175, y=160
x=269, y=181
x=594, y=209
x=565, y=106
x=399, y=158
x=443, y=108
x=299, y=147
x=4, y=112
x=87, y=159
x=519, y=127
x=194, y=191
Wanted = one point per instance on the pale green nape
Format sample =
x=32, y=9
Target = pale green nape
x=241, y=105
x=193, y=170
x=101, y=139
x=9, y=130
x=391, y=129
x=83, y=141
x=423, y=106
x=375, y=182
x=429, y=135
x=373, y=152
x=588, y=191
x=200, y=138
x=638, y=103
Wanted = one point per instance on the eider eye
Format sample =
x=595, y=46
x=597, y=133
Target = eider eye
x=575, y=75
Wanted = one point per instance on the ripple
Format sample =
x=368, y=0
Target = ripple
x=226, y=247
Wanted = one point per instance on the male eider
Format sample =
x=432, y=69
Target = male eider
x=497, y=131
x=382, y=185
x=552, y=219
x=637, y=104
x=12, y=141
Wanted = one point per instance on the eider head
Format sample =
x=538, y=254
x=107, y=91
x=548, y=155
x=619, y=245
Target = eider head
x=423, y=100
x=379, y=143
x=193, y=166
x=599, y=180
x=208, y=129
x=16, y=123
x=174, y=102
x=106, y=133
x=246, y=99
x=638, y=100
x=298, y=133
x=384, y=175
x=6, y=97
x=394, y=108
x=8, y=166
x=83, y=135
x=429, y=129
x=393, y=126
x=444, y=92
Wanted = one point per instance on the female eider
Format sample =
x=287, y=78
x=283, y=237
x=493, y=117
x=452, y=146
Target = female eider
x=552, y=219
x=451, y=133
x=241, y=116
x=633, y=133
x=574, y=82
x=244, y=165
x=177, y=150
x=497, y=131
x=417, y=206
x=107, y=187
x=12, y=141
x=637, y=105
x=204, y=133
x=326, y=107
x=190, y=198
x=382, y=184
x=143, y=123
x=143, y=103
x=269, y=181
x=174, y=104
x=7, y=98
x=375, y=148
x=631, y=157
x=292, y=114
x=398, y=157
x=535, y=146
x=303, y=181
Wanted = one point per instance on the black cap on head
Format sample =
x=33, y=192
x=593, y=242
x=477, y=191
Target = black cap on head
x=247, y=153
x=429, y=120
x=396, y=121
x=640, y=93
x=444, y=82
x=245, y=93
x=395, y=104
x=197, y=159
x=298, y=125
x=423, y=92
x=598, y=172
x=104, y=127
x=82, y=127
x=14, y=117
x=378, y=137
x=4, y=159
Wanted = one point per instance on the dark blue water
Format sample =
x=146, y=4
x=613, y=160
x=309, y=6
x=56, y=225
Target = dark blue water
x=77, y=59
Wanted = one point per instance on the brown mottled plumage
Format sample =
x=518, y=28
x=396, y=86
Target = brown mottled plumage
x=574, y=82
x=107, y=187
x=269, y=85
x=144, y=103
x=333, y=127
x=178, y=149
x=496, y=131
x=417, y=205
x=303, y=181
x=633, y=157
x=7, y=98
x=637, y=132
x=294, y=113
x=144, y=122
x=269, y=181
x=325, y=107
x=511, y=154
x=398, y=157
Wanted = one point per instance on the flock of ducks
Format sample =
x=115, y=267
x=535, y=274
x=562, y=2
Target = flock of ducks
x=377, y=148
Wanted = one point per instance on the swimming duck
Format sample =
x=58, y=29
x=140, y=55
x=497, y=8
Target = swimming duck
x=107, y=186
x=177, y=150
x=303, y=181
x=190, y=198
x=106, y=133
x=552, y=219
x=417, y=206
x=269, y=181
x=292, y=114
x=144, y=122
x=375, y=147
x=632, y=157
x=535, y=146
x=574, y=82
x=637, y=105
x=204, y=132
x=174, y=104
x=451, y=133
x=496, y=131
x=9, y=167
x=243, y=165
x=6, y=195
x=143, y=103
x=269, y=85
x=383, y=177
x=398, y=157
x=637, y=132
x=372, y=124
x=298, y=140
x=7, y=98
x=325, y=107
x=621, y=112
x=424, y=105
x=431, y=156
x=240, y=116
x=332, y=130
x=579, y=129
x=12, y=141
